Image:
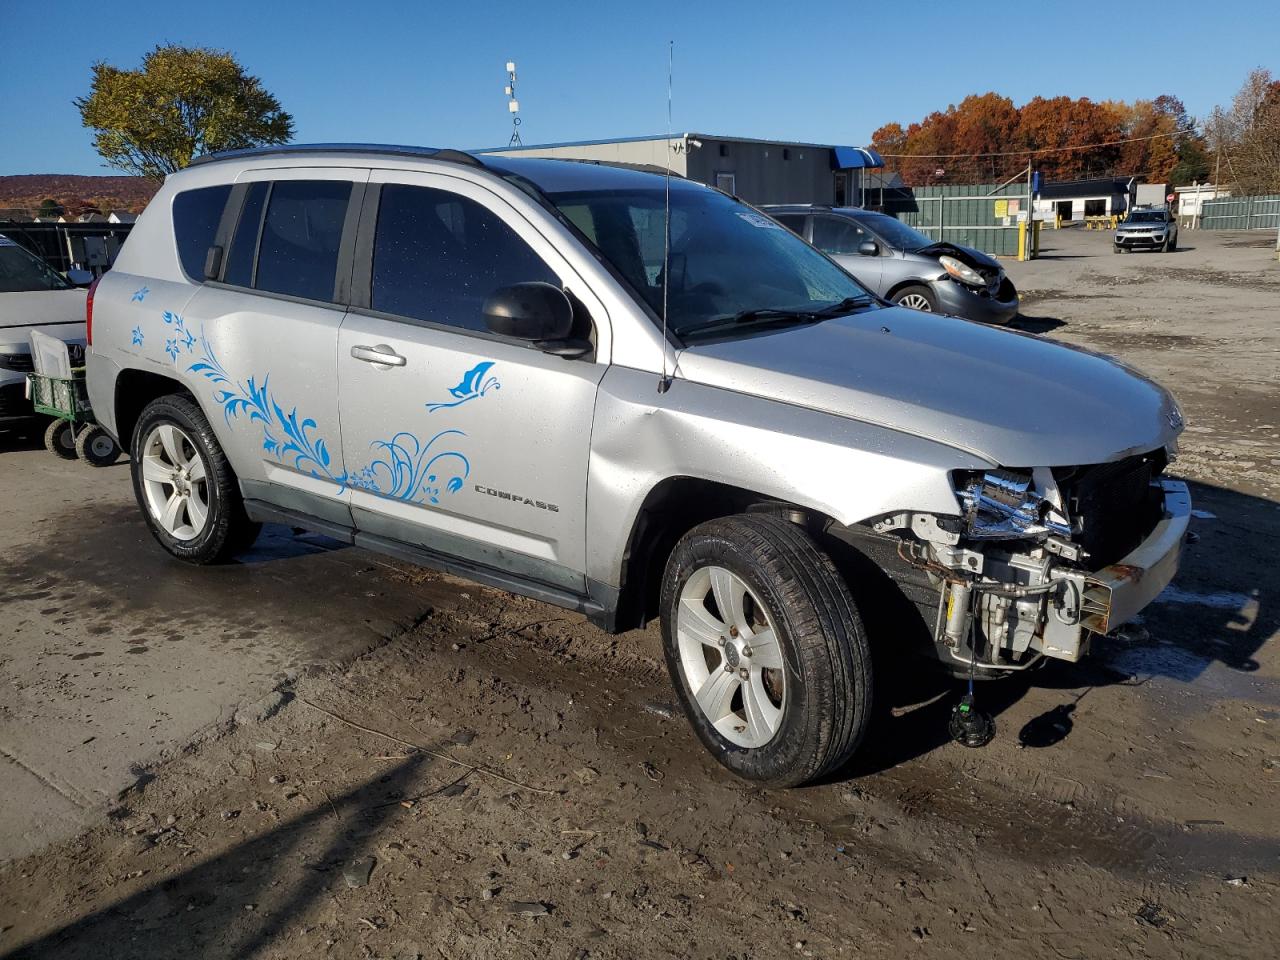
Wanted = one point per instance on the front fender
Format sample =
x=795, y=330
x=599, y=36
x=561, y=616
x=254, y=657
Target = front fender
x=845, y=469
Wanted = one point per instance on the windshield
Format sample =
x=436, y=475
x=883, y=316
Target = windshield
x=895, y=232
x=727, y=260
x=1146, y=216
x=22, y=272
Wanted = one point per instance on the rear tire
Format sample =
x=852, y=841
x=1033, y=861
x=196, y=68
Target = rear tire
x=778, y=688
x=185, y=486
x=60, y=439
x=916, y=297
x=95, y=447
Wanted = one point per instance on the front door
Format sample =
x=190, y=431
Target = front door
x=461, y=441
x=839, y=238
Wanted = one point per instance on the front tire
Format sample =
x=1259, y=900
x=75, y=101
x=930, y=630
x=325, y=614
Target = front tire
x=185, y=486
x=916, y=297
x=766, y=649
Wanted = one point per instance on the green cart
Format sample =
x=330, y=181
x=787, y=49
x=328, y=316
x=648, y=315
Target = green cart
x=73, y=433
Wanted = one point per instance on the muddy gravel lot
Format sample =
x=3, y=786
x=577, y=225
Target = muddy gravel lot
x=317, y=752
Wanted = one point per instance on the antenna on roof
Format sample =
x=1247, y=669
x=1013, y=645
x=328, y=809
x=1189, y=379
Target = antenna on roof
x=664, y=383
x=513, y=105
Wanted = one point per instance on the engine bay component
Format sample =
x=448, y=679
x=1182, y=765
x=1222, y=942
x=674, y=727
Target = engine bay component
x=1001, y=504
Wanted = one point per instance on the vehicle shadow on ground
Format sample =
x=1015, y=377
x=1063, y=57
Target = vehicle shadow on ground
x=1030, y=324
x=239, y=902
x=1207, y=630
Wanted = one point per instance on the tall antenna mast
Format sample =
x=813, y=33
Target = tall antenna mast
x=513, y=105
x=664, y=384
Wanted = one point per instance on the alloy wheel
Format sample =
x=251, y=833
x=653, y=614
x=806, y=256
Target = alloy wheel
x=175, y=482
x=916, y=301
x=731, y=657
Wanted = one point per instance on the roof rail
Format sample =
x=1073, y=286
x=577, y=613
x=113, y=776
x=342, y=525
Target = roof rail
x=373, y=149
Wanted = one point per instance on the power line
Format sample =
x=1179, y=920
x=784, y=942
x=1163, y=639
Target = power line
x=1021, y=153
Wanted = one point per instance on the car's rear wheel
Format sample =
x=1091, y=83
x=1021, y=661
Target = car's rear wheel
x=60, y=439
x=917, y=298
x=766, y=649
x=185, y=486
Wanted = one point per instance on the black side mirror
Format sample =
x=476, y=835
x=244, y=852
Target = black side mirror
x=869, y=248
x=529, y=311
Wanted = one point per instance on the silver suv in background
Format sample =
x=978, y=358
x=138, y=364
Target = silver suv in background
x=903, y=265
x=1147, y=228
x=33, y=297
x=500, y=368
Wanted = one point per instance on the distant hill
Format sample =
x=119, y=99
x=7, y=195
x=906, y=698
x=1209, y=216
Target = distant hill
x=75, y=193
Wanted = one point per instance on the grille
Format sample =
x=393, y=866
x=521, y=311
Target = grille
x=1116, y=504
x=17, y=361
x=14, y=402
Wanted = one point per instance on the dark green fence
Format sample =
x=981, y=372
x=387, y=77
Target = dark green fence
x=982, y=216
x=1241, y=213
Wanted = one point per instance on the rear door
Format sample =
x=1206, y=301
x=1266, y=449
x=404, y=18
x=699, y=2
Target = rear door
x=258, y=344
x=464, y=442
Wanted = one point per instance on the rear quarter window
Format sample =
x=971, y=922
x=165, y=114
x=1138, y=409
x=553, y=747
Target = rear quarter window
x=196, y=214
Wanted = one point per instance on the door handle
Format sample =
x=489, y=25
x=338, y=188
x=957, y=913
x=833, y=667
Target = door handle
x=381, y=354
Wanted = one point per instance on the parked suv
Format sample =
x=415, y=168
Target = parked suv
x=465, y=362
x=904, y=266
x=1147, y=228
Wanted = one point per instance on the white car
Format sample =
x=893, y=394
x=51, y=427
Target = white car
x=33, y=296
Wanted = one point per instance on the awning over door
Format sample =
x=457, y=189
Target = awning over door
x=855, y=158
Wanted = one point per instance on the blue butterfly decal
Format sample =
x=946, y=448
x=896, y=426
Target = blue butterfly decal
x=474, y=384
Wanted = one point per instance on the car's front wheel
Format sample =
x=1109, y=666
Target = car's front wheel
x=766, y=649
x=917, y=298
x=185, y=486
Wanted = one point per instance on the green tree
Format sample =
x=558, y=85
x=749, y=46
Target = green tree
x=184, y=101
x=50, y=209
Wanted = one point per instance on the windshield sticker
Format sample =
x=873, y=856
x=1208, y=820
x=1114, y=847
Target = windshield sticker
x=760, y=220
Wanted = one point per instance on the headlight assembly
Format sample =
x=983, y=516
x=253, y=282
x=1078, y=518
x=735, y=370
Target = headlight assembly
x=962, y=272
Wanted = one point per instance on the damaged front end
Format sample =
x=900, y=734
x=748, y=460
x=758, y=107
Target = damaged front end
x=1040, y=560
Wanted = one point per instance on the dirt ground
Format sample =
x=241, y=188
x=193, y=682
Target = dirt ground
x=485, y=776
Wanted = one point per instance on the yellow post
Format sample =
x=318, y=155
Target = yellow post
x=1057, y=221
x=1035, y=239
x=1022, y=239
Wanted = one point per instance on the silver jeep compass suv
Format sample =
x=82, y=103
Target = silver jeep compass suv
x=464, y=362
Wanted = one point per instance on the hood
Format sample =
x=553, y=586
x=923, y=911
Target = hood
x=1011, y=398
x=974, y=258
x=1158, y=227
x=41, y=306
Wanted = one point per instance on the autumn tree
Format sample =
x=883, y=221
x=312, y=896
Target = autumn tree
x=1245, y=137
x=184, y=101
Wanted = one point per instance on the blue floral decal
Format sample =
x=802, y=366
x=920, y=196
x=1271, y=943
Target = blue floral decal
x=406, y=469
x=171, y=348
x=137, y=336
x=141, y=294
x=474, y=385
x=284, y=435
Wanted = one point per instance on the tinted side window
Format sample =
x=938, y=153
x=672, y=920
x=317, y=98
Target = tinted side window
x=437, y=256
x=195, y=222
x=792, y=221
x=244, y=243
x=298, y=253
x=836, y=235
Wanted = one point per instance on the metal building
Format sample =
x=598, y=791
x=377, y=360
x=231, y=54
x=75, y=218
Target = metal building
x=758, y=171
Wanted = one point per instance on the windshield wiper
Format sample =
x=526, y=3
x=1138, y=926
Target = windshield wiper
x=778, y=315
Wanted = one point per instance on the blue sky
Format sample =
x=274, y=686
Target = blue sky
x=432, y=73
